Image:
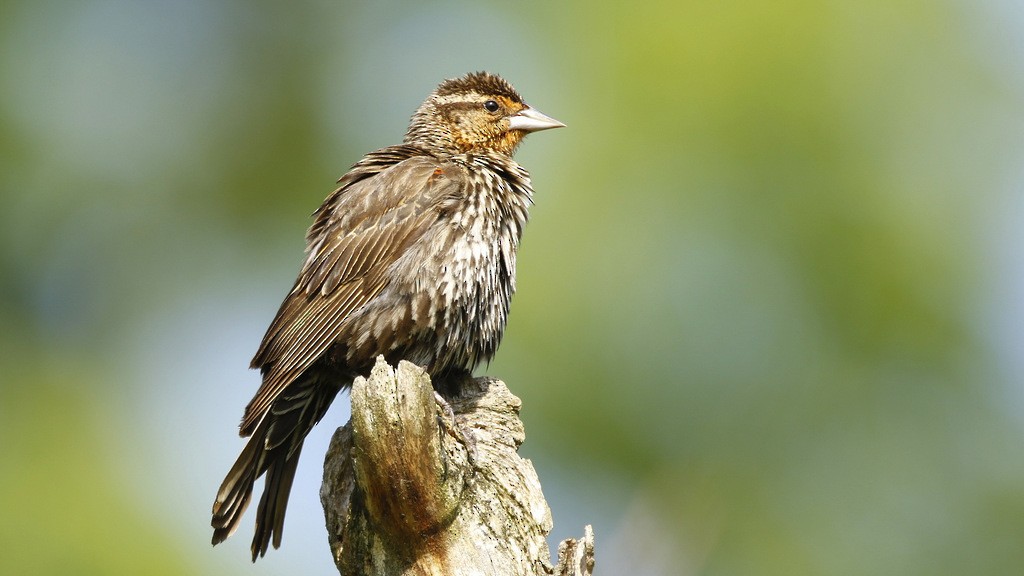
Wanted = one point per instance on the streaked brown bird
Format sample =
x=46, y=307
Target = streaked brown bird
x=412, y=257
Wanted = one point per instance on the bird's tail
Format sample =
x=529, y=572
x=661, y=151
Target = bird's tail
x=236, y=490
x=273, y=449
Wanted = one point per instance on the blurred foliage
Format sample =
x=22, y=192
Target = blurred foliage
x=64, y=501
x=768, y=318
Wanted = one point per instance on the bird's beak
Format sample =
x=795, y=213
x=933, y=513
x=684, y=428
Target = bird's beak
x=530, y=120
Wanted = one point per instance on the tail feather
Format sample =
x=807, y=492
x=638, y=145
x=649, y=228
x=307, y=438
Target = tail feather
x=273, y=503
x=236, y=490
x=274, y=449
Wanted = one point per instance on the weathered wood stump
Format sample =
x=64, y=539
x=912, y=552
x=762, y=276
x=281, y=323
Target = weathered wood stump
x=406, y=492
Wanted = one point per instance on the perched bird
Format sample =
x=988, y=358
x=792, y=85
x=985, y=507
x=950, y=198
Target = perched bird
x=412, y=257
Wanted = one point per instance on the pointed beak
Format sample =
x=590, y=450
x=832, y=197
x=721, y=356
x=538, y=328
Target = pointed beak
x=530, y=120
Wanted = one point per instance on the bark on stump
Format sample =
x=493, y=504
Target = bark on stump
x=407, y=493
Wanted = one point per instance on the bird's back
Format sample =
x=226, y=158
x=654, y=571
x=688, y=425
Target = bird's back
x=412, y=257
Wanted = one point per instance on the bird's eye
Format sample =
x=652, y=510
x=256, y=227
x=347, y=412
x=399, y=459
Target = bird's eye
x=491, y=106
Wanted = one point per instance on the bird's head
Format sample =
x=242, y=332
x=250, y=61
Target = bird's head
x=477, y=113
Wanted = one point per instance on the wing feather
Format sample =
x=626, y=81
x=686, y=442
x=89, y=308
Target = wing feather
x=362, y=229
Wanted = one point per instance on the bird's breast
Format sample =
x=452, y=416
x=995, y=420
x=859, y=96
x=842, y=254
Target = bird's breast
x=476, y=266
x=450, y=294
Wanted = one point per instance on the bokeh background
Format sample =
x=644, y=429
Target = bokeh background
x=770, y=311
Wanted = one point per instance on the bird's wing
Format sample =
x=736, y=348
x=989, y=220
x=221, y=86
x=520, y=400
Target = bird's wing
x=358, y=233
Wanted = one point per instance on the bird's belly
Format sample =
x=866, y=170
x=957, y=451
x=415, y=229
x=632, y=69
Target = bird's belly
x=475, y=285
x=445, y=307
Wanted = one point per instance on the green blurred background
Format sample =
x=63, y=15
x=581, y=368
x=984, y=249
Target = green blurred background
x=770, y=311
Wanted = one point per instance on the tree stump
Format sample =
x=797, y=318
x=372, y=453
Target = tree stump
x=407, y=493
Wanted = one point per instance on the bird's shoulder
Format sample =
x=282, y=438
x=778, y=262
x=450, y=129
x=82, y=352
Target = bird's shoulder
x=381, y=182
x=381, y=206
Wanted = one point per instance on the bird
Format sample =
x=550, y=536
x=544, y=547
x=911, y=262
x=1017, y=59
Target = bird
x=412, y=257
